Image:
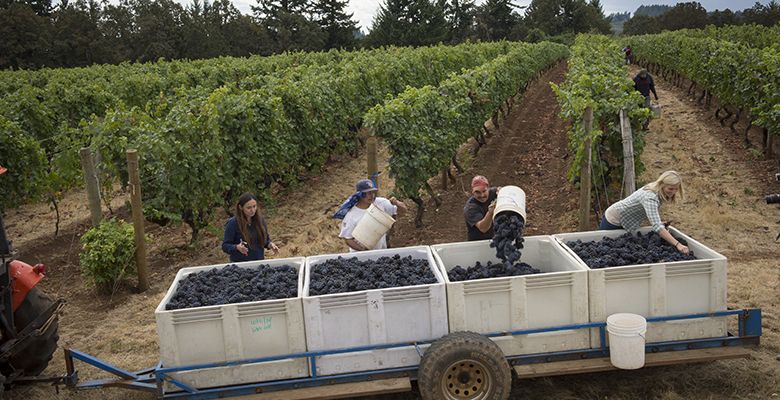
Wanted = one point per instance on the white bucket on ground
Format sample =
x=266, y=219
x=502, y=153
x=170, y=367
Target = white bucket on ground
x=627, y=340
x=372, y=226
x=510, y=198
x=656, y=110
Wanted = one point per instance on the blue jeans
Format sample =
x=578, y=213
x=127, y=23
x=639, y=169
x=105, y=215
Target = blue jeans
x=606, y=226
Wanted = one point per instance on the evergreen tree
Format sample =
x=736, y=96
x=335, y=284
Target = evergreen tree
x=287, y=24
x=26, y=38
x=596, y=20
x=157, y=30
x=684, y=15
x=40, y=7
x=555, y=17
x=77, y=39
x=652, y=10
x=495, y=19
x=767, y=15
x=725, y=17
x=641, y=25
x=409, y=23
x=335, y=23
x=117, y=25
x=461, y=15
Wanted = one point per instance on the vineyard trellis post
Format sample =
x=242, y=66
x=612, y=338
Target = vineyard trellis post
x=585, y=166
x=371, y=164
x=138, y=219
x=91, y=180
x=629, y=179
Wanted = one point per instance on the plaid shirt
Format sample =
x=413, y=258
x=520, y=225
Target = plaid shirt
x=640, y=206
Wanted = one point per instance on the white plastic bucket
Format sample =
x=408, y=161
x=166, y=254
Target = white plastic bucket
x=372, y=226
x=627, y=340
x=656, y=110
x=510, y=198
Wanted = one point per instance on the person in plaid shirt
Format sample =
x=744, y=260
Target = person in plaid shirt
x=645, y=204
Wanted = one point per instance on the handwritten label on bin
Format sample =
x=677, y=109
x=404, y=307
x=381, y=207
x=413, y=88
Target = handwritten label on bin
x=261, y=324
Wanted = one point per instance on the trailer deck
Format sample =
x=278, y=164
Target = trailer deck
x=399, y=379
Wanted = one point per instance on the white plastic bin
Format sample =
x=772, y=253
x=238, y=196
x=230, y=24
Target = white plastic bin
x=374, y=317
x=232, y=332
x=660, y=289
x=556, y=296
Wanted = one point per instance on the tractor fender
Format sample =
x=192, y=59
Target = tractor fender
x=24, y=277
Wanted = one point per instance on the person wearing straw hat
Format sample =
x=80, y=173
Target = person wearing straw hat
x=478, y=211
x=354, y=208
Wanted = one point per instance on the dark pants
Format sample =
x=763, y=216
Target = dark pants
x=606, y=226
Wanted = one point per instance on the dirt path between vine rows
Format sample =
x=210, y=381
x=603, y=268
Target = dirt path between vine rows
x=529, y=150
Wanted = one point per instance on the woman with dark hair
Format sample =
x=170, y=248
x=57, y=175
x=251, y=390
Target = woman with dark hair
x=246, y=234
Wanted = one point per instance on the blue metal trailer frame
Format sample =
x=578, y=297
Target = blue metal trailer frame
x=154, y=379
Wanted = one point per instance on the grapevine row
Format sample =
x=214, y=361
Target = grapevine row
x=262, y=129
x=598, y=78
x=755, y=36
x=424, y=126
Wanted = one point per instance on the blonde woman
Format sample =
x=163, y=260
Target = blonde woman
x=645, y=204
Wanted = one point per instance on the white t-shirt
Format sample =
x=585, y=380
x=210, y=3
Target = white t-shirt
x=355, y=214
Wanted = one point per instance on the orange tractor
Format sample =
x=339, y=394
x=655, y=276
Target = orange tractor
x=28, y=318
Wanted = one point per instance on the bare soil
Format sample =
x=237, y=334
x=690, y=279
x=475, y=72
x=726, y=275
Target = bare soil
x=724, y=184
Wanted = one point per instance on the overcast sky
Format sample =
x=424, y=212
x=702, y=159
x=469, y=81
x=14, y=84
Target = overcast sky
x=364, y=10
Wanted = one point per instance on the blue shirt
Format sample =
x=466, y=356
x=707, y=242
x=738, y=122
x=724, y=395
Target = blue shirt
x=233, y=238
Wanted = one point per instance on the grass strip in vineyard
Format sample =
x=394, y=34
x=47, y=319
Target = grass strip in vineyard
x=746, y=80
x=424, y=126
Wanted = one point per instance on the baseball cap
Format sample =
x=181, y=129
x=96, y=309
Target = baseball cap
x=365, y=185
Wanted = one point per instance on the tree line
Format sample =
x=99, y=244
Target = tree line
x=691, y=15
x=38, y=33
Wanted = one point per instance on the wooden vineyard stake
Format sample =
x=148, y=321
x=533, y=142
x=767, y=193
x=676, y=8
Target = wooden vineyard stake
x=629, y=179
x=138, y=219
x=93, y=193
x=585, y=166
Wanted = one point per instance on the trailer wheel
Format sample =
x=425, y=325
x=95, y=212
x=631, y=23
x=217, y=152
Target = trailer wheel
x=34, y=358
x=464, y=365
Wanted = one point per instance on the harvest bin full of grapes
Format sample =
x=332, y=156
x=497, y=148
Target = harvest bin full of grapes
x=648, y=277
x=229, y=312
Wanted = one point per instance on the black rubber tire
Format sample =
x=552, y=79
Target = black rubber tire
x=37, y=354
x=475, y=360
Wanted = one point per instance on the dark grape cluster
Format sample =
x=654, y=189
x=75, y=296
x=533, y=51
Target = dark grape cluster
x=233, y=284
x=628, y=250
x=489, y=270
x=340, y=275
x=508, y=238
